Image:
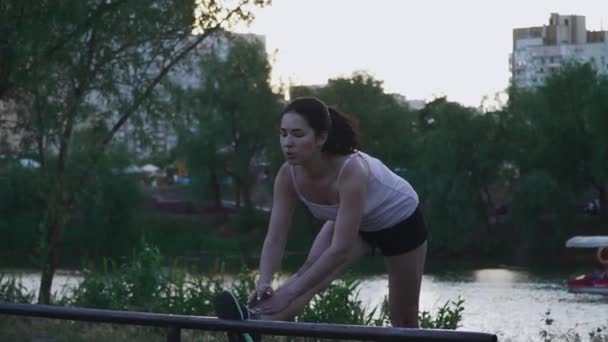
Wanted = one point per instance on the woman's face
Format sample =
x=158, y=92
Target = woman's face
x=298, y=140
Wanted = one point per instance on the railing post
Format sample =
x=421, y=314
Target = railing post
x=174, y=333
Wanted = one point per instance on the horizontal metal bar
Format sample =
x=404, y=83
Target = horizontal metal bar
x=335, y=331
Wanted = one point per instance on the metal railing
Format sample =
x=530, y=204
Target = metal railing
x=175, y=323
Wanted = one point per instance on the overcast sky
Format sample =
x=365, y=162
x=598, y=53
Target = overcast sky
x=419, y=48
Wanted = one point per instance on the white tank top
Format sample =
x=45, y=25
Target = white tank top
x=390, y=199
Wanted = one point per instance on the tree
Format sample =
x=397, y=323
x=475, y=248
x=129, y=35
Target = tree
x=457, y=162
x=239, y=103
x=95, y=64
x=198, y=141
x=386, y=126
x=562, y=125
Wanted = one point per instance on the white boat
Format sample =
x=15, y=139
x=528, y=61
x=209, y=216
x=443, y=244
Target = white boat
x=594, y=282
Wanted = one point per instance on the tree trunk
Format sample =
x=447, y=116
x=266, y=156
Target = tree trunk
x=214, y=186
x=237, y=193
x=246, y=192
x=487, y=207
x=48, y=273
x=56, y=217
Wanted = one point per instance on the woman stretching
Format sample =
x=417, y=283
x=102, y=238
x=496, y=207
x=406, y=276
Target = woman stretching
x=365, y=206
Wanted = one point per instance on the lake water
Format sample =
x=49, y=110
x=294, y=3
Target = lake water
x=508, y=302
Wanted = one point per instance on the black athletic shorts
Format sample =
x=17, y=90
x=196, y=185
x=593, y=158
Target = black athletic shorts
x=403, y=237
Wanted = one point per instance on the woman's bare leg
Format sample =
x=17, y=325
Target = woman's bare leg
x=404, y=278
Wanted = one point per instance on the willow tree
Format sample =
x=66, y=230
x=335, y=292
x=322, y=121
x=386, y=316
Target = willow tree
x=458, y=160
x=94, y=64
x=560, y=142
x=239, y=101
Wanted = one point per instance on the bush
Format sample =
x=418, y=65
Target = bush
x=142, y=283
x=340, y=303
x=99, y=223
x=23, y=194
x=102, y=223
x=136, y=284
x=447, y=317
x=13, y=291
x=248, y=219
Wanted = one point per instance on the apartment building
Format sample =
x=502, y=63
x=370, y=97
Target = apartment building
x=540, y=50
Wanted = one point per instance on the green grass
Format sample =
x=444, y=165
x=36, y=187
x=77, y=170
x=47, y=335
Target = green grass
x=17, y=329
x=41, y=329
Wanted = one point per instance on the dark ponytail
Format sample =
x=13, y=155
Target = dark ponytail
x=342, y=136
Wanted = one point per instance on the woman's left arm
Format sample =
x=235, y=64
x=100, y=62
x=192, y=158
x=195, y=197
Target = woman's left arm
x=352, y=190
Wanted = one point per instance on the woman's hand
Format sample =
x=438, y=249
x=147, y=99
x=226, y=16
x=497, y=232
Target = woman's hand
x=261, y=292
x=277, y=303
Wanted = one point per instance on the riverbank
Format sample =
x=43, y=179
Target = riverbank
x=192, y=233
x=516, y=304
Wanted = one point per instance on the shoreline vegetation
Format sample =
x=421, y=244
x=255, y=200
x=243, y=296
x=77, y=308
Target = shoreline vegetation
x=208, y=243
x=205, y=236
x=142, y=283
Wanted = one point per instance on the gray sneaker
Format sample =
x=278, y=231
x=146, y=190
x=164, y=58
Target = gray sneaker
x=227, y=306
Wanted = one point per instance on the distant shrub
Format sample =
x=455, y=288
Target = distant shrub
x=448, y=316
x=23, y=193
x=12, y=291
x=248, y=219
x=340, y=303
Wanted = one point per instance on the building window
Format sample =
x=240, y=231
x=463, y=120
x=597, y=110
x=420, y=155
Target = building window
x=566, y=21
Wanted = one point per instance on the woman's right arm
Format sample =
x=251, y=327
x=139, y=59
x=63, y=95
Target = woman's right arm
x=283, y=204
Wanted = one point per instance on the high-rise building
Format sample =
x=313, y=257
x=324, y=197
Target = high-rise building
x=540, y=50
